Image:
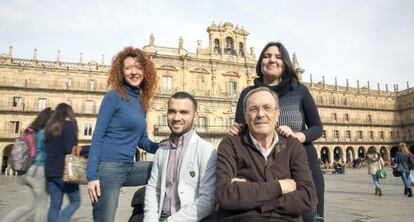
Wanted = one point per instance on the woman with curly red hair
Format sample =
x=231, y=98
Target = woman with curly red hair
x=120, y=129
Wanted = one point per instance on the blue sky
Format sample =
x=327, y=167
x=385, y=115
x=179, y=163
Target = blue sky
x=365, y=40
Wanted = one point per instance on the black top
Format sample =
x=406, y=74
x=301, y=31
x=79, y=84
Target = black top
x=57, y=148
x=297, y=110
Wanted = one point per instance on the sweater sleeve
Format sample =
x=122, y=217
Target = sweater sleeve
x=304, y=198
x=106, y=111
x=240, y=195
x=147, y=144
x=312, y=118
x=70, y=138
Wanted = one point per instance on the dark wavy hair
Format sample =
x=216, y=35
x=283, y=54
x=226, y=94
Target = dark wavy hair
x=41, y=119
x=289, y=71
x=149, y=82
x=55, y=123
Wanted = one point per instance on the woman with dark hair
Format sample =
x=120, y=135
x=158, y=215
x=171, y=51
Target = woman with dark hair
x=121, y=127
x=61, y=135
x=375, y=163
x=299, y=116
x=403, y=159
x=34, y=178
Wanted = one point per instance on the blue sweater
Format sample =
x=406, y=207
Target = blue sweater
x=121, y=126
x=57, y=148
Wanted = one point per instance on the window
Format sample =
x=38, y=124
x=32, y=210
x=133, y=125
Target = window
x=87, y=129
x=201, y=122
x=324, y=134
x=232, y=88
x=166, y=84
x=15, y=126
x=92, y=84
x=68, y=83
x=89, y=106
x=348, y=134
x=346, y=117
x=382, y=134
x=42, y=103
x=229, y=46
x=16, y=101
x=216, y=46
x=344, y=101
x=369, y=118
x=371, y=134
x=321, y=99
x=392, y=135
x=359, y=133
x=398, y=134
x=333, y=100
x=336, y=134
x=163, y=120
x=334, y=117
x=231, y=121
x=241, y=49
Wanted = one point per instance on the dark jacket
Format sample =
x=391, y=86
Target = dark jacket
x=57, y=148
x=261, y=195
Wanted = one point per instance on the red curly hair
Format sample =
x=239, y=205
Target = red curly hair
x=149, y=82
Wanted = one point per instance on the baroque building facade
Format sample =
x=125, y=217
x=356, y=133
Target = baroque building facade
x=355, y=118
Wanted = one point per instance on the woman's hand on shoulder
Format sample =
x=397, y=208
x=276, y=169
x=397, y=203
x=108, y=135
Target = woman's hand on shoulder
x=287, y=132
x=235, y=129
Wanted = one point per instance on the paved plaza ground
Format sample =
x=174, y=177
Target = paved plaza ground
x=348, y=197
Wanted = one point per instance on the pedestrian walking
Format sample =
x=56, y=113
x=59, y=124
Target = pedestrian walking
x=375, y=163
x=61, y=135
x=403, y=160
x=33, y=181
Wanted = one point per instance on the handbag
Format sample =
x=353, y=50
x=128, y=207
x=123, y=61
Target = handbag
x=381, y=173
x=75, y=167
x=397, y=170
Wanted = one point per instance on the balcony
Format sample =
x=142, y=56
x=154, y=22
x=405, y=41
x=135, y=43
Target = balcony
x=53, y=85
x=163, y=130
x=34, y=107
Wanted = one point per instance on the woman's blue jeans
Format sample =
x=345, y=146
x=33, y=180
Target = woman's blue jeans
x=375, y=179
x=57, y=188
x=112, y=177
x=406, y=179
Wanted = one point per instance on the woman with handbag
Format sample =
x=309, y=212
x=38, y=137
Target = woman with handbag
x=34, y=179
x=121, y=127
x=403, y=160
x=61, y=135
x=375, y=164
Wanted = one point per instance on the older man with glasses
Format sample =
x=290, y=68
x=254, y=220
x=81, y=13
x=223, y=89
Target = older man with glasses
x=262, y=176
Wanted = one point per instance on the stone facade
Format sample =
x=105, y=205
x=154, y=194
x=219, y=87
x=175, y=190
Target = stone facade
x=355, y=118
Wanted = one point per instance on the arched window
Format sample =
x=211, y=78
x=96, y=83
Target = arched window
x=241, y=49
x=216, y=46
x=229, y=46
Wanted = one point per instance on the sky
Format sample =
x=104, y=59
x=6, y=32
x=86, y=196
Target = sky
x=365, y=40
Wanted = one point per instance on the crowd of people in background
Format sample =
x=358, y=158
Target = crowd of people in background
x=276, y=122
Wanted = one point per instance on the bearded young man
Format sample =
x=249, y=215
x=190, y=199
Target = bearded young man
x=182, y=182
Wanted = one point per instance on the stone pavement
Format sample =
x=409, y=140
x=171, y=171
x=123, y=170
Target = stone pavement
x=348, y=197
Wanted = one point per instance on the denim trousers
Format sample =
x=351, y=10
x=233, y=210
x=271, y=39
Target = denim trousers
x=375, y=179
x=34, y=186
x=406, y=179
x=57, y=188
x=112, y=177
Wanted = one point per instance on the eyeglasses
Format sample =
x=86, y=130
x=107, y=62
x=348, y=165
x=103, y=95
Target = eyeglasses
x=266, y=109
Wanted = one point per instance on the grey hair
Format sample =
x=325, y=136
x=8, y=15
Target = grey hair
x=260, y=89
